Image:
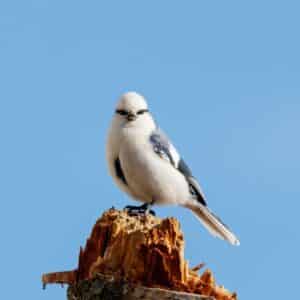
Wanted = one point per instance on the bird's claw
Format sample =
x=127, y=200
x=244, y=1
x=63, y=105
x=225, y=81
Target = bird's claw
x=139, y=210
x=152, y=212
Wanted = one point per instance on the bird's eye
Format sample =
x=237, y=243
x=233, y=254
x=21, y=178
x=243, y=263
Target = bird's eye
x=142, y=111
x=122, y=112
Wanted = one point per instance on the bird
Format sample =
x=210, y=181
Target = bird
x=146, y=165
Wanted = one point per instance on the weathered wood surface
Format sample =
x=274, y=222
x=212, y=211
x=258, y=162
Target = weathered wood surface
x=139, y=251
x=102, y=288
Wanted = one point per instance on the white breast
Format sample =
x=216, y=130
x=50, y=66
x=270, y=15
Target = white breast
x=148, y=176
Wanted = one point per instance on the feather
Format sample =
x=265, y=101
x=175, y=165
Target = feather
x=213, y=224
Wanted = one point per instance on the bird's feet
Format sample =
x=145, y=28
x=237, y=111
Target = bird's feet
x=139, y=210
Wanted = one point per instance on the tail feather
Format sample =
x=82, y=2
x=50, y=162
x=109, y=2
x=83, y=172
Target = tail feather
x=213, y=224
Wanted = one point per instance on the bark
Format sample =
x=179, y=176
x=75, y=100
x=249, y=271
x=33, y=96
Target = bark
x=104, y=288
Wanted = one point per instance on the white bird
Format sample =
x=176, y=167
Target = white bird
x=144, y=164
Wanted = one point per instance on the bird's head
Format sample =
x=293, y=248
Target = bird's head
x=132, y=111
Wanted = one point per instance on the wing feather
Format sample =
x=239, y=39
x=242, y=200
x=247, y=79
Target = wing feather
x=163, y=147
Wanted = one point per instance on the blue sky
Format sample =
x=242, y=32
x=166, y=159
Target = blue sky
x=222, y=79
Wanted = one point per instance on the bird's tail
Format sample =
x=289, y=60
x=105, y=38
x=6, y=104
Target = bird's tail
x=213, y=224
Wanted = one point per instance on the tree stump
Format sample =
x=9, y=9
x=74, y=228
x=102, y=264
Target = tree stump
x=136, y=257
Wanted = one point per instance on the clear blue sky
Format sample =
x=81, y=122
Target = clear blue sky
x=222, y=79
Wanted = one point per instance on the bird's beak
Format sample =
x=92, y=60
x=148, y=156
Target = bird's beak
x=131, y=117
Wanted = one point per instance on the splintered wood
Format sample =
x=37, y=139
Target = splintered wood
x=140, y=250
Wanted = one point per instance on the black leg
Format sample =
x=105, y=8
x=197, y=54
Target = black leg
x=138, y=210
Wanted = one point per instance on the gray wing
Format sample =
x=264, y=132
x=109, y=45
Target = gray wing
x=163, y=147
